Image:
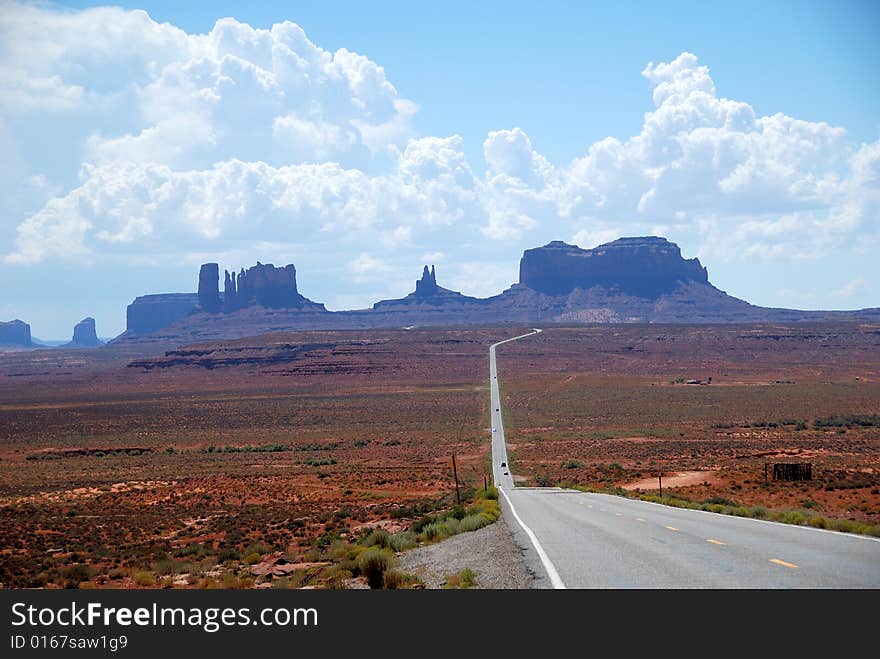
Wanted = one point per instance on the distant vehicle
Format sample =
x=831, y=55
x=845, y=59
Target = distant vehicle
x=493, y=429
x=497, y=409
x=506, y=474
x=503, y=464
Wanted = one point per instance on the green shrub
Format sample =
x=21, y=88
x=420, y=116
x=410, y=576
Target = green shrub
x=434, y=531
x=402, y=541
x=543, y=480
x=451, y=526
x=573, y=464
x=377, y=538
x=320, y=462
x=472, y=523
x=467, y=578
x=228, y=554
x=193, y=550
x=457, y=511
x=78, y=573
x=144, y=579
x=720, y=500
x=374, y=563
x=393, y=580
x=491, y=493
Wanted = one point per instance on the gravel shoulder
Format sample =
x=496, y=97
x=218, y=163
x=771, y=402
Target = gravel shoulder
x=490, y=552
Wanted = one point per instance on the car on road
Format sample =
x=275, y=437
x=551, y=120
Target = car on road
x=503, y=464
x=506, y=474
x=493, y=429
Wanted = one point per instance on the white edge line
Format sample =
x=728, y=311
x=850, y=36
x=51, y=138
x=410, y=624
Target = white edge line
x=745, y=519
x=545, y=560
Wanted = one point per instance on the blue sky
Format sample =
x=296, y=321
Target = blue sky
x=142, y=146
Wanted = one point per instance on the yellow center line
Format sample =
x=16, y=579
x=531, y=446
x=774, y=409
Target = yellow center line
x=715, y=542
x=779, y=561
x=672, y=528
x=639, y=519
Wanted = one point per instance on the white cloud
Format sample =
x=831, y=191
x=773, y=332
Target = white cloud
x=587, y=239
x=366, y=264
x=853, y=287
x=214, y=143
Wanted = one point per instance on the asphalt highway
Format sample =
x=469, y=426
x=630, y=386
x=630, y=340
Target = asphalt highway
x=582, y=540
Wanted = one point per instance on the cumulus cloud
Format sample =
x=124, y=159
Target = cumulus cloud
x=199, y=144
x=192, y=100
x=852, y=287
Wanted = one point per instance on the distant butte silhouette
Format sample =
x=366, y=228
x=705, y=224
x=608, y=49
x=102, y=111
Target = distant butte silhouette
x=634, y=280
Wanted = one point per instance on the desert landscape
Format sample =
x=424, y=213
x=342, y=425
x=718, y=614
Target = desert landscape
x=707, y=407
x=217, y=464
x=119, y=470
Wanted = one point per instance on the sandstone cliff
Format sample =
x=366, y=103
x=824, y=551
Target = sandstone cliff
x=149, y=313
x=85, y=335
x=209, y=291
x=645, y=267
x=630, y=280
x=265, y=286
x=15, y=333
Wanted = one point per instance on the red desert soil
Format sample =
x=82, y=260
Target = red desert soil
x=119, y=468
x=674, y=479
x=608, y=406
x=123, y=463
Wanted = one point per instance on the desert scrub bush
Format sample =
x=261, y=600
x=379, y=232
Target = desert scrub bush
x=457, y=511
x=320, y=462
x=433, y=531
x=467, y=578
x=377, y=538
x=848, y=421
x=573, y=464
x=491, y=493
x=193, y=550
x=451, y=526
x=543, y=480
x=395, y=580
x=338, y=578
x=374, y=563
x=720, y=500
x=144, y=579
x=472, y=523
x=402, y=541
x=76, y=574
x=228, y=554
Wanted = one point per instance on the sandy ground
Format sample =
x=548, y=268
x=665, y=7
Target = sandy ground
x=675, y=479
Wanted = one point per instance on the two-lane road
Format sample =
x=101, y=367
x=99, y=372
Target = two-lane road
x=581, y=540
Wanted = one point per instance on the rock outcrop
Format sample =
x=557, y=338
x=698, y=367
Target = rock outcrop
x=265, y=286
x=85, y=335
x=427, y=285
x=15, y=333
x=149, y=313
x=209, y=291
x=428, y=293
x=646, y=267
x=630, y=280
